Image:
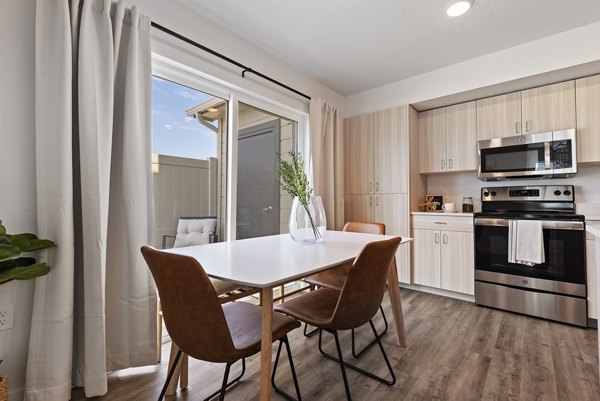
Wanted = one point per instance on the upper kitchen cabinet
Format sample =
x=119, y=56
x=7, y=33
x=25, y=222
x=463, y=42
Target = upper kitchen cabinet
x=447, y=138
x=499, y=116
x=461, y=137
x=374, y=153
x=390, y=144
x=547, y=108
x=432, y=141
x=588, y=119
x=358, y=154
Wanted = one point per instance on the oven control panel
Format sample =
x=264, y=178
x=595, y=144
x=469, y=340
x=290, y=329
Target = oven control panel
x=540, y=193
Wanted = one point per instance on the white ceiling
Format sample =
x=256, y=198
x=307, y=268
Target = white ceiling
x=355, y=45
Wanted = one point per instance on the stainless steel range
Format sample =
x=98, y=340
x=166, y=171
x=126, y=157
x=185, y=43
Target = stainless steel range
x=554, y=288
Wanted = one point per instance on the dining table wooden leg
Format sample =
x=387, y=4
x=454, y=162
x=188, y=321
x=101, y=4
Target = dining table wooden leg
x=266, y=348
x=396, y=302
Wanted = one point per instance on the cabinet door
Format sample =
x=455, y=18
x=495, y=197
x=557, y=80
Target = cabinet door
x=358, y=154
x=392, y=210
x=461, y=137
x=499, y=116
x=588, y=119
x=358, y=207
x=457, y=265
x=426, y=257
x=391, y=153
x=432, y=141
x=549, y=108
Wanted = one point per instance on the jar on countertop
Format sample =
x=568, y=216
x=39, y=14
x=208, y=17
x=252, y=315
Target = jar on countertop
x=467, y=204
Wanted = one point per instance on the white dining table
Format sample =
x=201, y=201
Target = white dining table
x=267, y=262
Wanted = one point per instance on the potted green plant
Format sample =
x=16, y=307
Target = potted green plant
x=307, y=219
x=15, y=266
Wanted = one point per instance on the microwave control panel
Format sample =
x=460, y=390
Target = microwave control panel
x=561, y=154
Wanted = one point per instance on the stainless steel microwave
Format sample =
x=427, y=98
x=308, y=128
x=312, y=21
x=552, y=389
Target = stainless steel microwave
x=542, y=155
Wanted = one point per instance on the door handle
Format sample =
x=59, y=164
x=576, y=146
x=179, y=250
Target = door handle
x=370, y=200
x=437, y=238
x=517, y=127
x=442, y=164
x=377, y=201
x=445, y=238
x=449, y=164
x=370, y=187
x=527, y=126
x=377, y=186
x=268, y=209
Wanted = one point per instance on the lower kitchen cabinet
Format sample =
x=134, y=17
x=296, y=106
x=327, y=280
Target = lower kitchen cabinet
x=443, y=252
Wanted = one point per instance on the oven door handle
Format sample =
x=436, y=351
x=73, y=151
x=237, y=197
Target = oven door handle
x=547, y=224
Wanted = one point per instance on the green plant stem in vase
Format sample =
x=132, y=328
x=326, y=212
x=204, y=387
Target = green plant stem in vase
x=294, y=181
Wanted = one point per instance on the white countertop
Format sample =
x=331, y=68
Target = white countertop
x=455, y=214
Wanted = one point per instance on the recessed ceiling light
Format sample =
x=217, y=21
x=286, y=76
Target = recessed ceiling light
x=458, y=7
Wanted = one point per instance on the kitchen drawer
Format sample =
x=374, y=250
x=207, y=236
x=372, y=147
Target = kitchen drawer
x=446, y=222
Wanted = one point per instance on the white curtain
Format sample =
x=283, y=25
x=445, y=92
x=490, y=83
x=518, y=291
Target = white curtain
x=96, y=310
x=326, y=158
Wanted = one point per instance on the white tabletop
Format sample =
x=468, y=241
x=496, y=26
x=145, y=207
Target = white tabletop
x=270, y=261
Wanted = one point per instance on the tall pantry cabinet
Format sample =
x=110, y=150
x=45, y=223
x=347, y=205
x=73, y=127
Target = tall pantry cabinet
x=376, y=174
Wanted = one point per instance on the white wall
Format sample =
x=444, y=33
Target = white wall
x=17, y=164
x=456, y=185
x=571, y=48
x=194, y=26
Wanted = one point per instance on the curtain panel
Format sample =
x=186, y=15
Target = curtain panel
x=96, y=310
x=326, y=159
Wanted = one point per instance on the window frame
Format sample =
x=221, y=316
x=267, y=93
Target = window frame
x=166, y=68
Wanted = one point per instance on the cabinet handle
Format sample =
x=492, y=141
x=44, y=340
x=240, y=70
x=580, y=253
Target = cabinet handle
x=527, y=126
x=449, y=164
x=517, y=127
x=377, y=186
x=370, y=187
x=437, y=238
x=442, y=164
x=439, y=222
x=445, y=239
x=377, y=201
x=370, y=200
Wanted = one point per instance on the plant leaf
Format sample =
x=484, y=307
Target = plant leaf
x=24, y=273
x=36, y=244
x=4, y=240
x=8, y=251
x=20, y=241
x=2, y=229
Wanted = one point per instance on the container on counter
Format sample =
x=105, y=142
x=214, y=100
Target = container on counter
x=467, y=204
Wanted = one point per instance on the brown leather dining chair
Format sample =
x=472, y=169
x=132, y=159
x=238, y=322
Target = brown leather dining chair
x=335, y=278
x=203, y=328
x=354, y=305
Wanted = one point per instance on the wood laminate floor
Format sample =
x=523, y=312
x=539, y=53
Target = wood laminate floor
x=457, y=351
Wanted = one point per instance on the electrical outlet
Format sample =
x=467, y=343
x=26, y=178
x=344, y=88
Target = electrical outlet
x=7, y=313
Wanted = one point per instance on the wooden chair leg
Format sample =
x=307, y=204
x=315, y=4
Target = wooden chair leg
x=172, y=387
x=183, y=379
x=158, y=335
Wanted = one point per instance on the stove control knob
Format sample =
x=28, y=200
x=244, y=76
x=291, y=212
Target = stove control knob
x=486, y=194
x=493, y=193
x=567, y=192
x=557, y=192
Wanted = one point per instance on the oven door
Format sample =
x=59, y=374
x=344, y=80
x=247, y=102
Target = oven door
x=564, y=247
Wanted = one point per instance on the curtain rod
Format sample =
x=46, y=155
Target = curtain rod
x=244, y=68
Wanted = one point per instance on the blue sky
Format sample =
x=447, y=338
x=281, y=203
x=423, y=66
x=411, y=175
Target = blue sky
x=173, y=132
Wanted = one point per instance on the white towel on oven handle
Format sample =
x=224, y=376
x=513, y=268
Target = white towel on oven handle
x=526, y=242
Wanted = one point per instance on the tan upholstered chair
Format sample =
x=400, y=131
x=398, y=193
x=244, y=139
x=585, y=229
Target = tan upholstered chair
x=203, y=328
x=336, y=277
x=358, y=301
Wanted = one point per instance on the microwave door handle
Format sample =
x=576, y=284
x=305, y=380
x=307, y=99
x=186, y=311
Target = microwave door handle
x=547, y=164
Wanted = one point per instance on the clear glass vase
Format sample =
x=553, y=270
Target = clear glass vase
x=308, y=222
